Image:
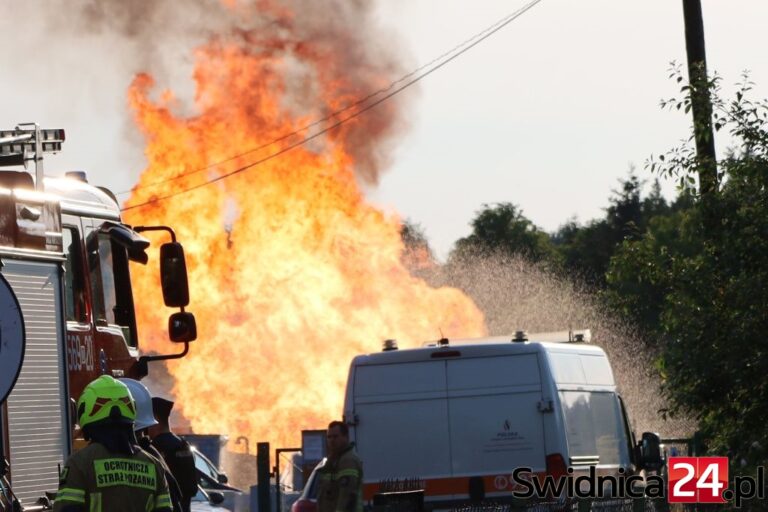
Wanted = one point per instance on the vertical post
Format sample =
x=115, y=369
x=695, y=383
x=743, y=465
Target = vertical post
x=278, y=498
x=39, y=175
x=701, y=105
x=262, y=475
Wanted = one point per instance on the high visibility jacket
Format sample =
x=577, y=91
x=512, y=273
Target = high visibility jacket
x=96, y=480
x=340, y=487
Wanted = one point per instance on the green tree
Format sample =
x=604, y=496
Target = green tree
x=637, y=280
x=705, y=285
x=504, y=229
x=587, y=250
x=417, y=254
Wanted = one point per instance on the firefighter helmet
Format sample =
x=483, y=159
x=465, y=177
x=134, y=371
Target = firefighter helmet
x=105, y=399
x=145, y=418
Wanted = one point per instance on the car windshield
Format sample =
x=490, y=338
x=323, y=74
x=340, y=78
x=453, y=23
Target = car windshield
x=205, y=466
x=310, y=489
x=200, y=496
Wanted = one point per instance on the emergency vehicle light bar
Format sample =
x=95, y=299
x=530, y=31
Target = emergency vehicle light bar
x=569, y=336
x=29, y=139
x=19, y=141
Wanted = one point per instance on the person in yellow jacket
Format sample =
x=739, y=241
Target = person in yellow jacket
x=111, y=474
x=341, y=478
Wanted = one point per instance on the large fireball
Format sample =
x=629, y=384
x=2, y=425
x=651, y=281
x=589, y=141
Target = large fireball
x=292, y=272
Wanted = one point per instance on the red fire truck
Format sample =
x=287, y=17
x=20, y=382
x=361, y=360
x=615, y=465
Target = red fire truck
x=66, y=308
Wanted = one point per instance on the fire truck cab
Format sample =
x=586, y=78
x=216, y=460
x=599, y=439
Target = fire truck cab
x=66, y=308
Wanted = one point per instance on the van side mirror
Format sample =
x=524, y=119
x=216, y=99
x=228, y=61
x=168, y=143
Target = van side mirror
x=649, y=452
x=173, y=275
x=182, y=327
x=222, y=478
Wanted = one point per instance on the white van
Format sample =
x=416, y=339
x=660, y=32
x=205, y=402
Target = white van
x=458, y=417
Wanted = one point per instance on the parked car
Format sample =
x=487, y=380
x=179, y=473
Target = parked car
x=214, y=481
x=307, y=502
x=209, y=476
x=208, y=502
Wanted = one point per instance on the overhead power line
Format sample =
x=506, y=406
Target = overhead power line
x=409, y=79
x=327, y=117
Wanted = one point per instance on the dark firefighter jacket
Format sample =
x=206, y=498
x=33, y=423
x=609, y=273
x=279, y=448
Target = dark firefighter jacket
x=95, y=480
x=341, y=484
x=181, y=461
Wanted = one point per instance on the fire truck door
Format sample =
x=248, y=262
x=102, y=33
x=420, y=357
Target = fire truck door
x=111, y=301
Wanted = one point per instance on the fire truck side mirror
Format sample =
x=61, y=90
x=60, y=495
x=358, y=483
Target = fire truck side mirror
x=182, y=327
x=173, y=275
x=134, y=244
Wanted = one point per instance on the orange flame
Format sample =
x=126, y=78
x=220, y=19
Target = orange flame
x=292, y=272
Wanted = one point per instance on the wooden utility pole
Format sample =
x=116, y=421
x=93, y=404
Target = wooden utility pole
x=701, y=105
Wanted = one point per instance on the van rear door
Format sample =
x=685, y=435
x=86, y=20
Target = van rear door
x=595, y=428
x=495, y=423
x=402, y=420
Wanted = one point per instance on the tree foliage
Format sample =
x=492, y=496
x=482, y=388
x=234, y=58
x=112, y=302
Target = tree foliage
x=417, y=255
x=587, y=250
x=702, y=287
x=502, y=228
x=693, y=274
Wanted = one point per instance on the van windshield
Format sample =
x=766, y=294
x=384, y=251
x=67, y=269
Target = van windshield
x=595, y=426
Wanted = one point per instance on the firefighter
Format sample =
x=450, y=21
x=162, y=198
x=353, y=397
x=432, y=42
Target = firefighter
x=341, y=478
x=176, y=451
x=145, y=419
x=111, y=474
x=6, y=501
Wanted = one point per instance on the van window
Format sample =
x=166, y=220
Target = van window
x=494, y=372
x=594, y=426
x=110, y=285
x=390, y=380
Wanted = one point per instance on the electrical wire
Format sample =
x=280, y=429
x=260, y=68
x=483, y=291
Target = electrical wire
x=329, y=116
x=482, y=36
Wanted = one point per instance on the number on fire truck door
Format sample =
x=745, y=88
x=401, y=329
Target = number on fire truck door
x=80, y=352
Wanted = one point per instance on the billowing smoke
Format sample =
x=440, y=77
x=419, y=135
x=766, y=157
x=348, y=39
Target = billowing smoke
x=163, y=38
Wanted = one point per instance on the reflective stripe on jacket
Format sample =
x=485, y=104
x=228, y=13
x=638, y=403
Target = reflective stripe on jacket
x=95, y=480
